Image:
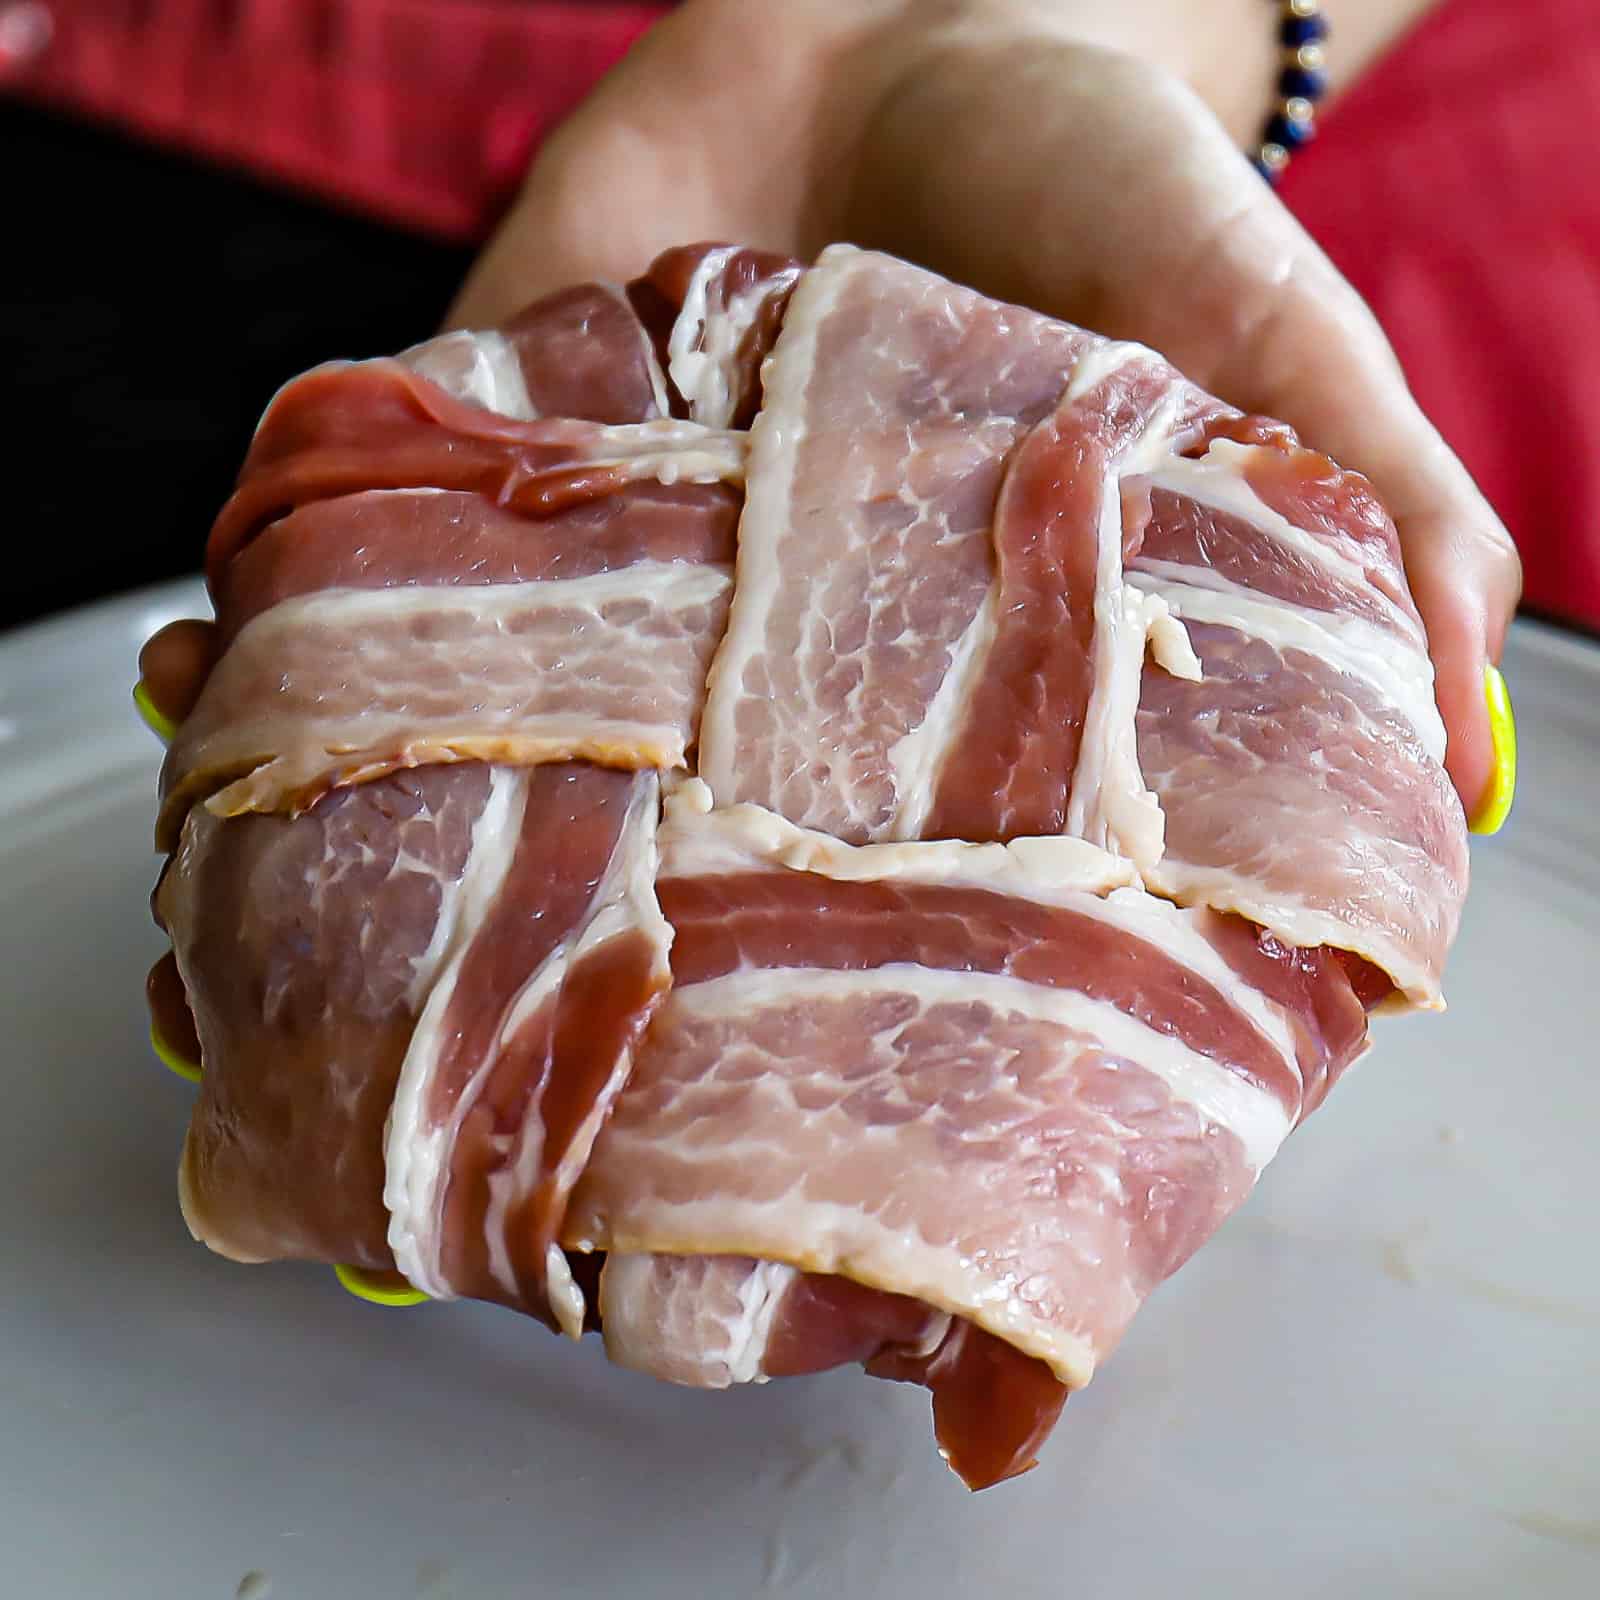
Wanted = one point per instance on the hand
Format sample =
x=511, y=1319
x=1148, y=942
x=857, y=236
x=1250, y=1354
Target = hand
x=1025, y=149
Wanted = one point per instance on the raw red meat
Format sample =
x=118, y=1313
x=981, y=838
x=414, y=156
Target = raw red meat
x=1052, y=787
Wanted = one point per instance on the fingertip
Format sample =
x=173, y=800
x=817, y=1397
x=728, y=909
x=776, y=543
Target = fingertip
x=1498, y=791
x=180, y=1065
x=379, y=1288
x=172, y=1030
x=173, y=667
x=151, y=715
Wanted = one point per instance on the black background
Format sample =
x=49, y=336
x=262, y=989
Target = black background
x=149, y=308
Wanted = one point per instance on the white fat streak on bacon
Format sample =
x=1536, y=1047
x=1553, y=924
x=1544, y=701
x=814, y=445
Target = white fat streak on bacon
x=555, y=671
x=425, y=967
x=667, y=449
x=481, y=368
x=1109, y=803
x=624, y=902
x=781, y=426
x=1219, y=479
x=417, y=1152
x=919, y=757
x=698, y=842
x=567, y=1304
x=1102, y=360
x=703, y=1321
x=541, y=988
x=1403, y=677
x=692, y=367
x=703, y=347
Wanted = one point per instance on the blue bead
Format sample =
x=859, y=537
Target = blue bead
x=1302, y=83
x=1296, y=31
x=1280, y=130
x=1265, y=171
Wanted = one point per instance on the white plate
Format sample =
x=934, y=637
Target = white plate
x=1381, y=1379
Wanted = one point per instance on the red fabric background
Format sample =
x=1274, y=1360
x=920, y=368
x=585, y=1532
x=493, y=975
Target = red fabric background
x=1454, y=185
x=423, y=112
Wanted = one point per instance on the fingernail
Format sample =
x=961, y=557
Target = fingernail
x=1495, y=806
x=163, y=727
x=381, y=1288
x=170, y=1058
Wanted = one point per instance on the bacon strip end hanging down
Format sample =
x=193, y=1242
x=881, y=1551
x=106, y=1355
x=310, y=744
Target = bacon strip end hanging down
x=790, y=816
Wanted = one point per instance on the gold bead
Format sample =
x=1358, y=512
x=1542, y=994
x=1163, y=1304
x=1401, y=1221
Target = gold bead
x=1298, y=109
x=1273, y=156
x=1308, y=56
x=1304, y=8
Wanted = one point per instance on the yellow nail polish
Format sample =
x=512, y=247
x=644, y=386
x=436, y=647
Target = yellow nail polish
x=380, y=1292
x=170, y=1058
x=1495, y=806
x=163, y=727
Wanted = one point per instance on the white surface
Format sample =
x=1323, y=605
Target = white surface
x=1383, y=1379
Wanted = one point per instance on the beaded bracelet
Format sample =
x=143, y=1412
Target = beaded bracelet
x=1301, y=84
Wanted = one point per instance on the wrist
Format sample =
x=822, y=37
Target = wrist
x=1226, y=51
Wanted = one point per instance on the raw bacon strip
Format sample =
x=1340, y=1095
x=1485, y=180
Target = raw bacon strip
x=1325, y=993
x=307, y=949
x=903, y=912
x=731, y=305
x=482, y=369
x=1299, y=796
x=704, y=1321
x=1023, y=720
x=1065, y=634
x=414, y=539
x=750, y=922
x=526, y=1040
x=892, y=400
x=1015, y=1063
x=1400, y=675
x=1208, y=545
x=993, y=1407
x=346, y=711
x=462, y=397
x=344, y=685
x=584, y=353
x=1334, y=505
x=1300, y=775
x=342, y=429
x=581, y=352
x=711, y=1321
x=1022, y=1128
x=1053, y=912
